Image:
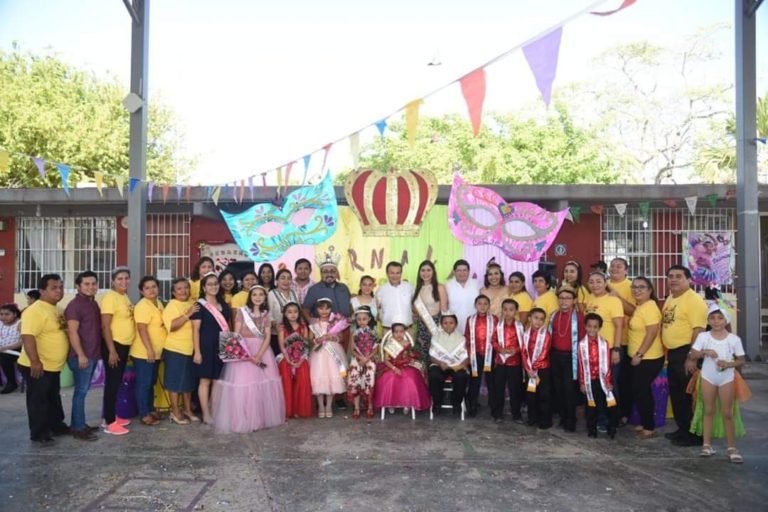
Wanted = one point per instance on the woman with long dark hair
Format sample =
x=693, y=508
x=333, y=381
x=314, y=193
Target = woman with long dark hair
x=429, y=300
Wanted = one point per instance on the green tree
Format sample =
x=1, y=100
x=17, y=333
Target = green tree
x=57, y=112
x=508, y=149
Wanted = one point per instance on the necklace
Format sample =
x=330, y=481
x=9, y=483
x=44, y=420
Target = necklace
x=562, y=333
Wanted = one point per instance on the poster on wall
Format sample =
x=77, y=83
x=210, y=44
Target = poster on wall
x=710, y=257
x=222, y=254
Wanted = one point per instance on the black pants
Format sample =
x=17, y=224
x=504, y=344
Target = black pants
x=8, y=364
x=274, y=344
x=506, y=377
x=113, y=379
x=473, y=394
x=643, y=376
x=44, y=409
x=678, y=381
x=437, y=383
x=601, y=409
x=539, y=407
x=625, y=384
x=564, y=387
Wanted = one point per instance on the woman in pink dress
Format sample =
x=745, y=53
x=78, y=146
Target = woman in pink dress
x=400, y=382
x=249, y=394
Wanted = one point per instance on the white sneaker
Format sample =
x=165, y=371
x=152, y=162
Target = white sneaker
x=406, y=410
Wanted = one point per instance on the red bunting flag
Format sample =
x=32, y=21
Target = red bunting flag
x=597, y=209
x=188, y=192
x=730, y=194
x=473, y=89
x=671, y=203
x=327, y=149
x=624, y=5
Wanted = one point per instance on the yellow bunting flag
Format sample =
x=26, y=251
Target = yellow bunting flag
x=412, y=120
x=5, y=161
x=279, y=177
x=119, y=183
x=215, y=195
x=99, y=179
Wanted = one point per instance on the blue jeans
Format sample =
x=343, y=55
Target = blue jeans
x=146, y=376
x=82, y=377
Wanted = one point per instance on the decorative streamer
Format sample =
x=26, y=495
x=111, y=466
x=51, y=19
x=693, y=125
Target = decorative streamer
x=234, y=191
x=132, y=182
x=670, y=203
x=250, y=186
x=64, y=173
x=99, y=179
x=621, y=209
x=40, y=164
x=150, y=189
x=412, y=120
x=597, y=209
x=645, y=207
x=279, y=179
x=215, y=195
x=264, y=180
x=624, y=5
x=166, y=190
x=188, y=193
x=120, y=183
x=178, y=192
x=208, y=192
x=473, y=89
x=327, y=149
x=5, y=161
x=354, y=149
x=542, y=55
x=690, y=202
x=242, y=191
x=287, y=175
x=712, y=198
x=730, y=194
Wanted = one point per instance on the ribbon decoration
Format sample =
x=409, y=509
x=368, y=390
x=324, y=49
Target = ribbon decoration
x=178, y=192
x=188, y=193
x=64, y=173
x=215, y=195
x=671, y=203
x=166, y=189
x=473, y=89
x=132, y=182
x=621, y=209
x=381, y=126
x=624, y=5
x=327, y=149
x=542, y=55
x=287, y=176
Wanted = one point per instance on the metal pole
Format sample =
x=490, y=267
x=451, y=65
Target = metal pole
x=748, y=217
x=137, y=200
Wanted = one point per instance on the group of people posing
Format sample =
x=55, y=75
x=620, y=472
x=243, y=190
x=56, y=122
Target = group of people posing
x=599, y=342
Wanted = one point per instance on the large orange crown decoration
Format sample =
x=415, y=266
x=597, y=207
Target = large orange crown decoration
x=391, y=203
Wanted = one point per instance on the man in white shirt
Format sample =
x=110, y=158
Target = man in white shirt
x=394, y=298
x=462, y=292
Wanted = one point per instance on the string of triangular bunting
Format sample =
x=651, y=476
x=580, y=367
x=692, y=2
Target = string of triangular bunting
x=541, y=53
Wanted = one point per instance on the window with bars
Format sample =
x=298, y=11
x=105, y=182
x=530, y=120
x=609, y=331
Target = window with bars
x=64, y=246
x=167, y=249
x=652, y=242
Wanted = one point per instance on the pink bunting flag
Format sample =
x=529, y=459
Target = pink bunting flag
x=671, y=203
x=473, y=89
x=542, y=55
x=40, y=164
x=597, y=209
x=624, y=5
x=166, y=190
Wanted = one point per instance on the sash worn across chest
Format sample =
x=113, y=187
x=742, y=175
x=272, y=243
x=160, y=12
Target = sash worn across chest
x=330, y=349
x=423, y=312
x=602, y=358
x=502, y=339
x=453, y=357
x=216, y=314
x=488, y=347
x=248, y=319
x=529, y=359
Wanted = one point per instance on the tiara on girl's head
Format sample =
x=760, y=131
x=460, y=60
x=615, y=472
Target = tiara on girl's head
x=363, y=309
x=257, y=286
x=573, y=262
x=211, y=273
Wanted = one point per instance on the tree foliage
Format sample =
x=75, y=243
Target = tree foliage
x=508, y=149
x=62, y=114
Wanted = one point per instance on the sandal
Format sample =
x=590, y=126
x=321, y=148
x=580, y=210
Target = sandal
x=150, y=420
x=369, y=414
x=321, y=414
x=706, y=451
x=191, y=416
x=646, y=434
x=182, y=421
x=734, y=456
x=356, y=414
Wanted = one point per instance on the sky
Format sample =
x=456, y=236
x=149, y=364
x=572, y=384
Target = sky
x=258, y=84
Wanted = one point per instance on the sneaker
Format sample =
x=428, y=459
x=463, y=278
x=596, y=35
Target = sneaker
x=115, y=429
x=123, y=422
x=602, y=429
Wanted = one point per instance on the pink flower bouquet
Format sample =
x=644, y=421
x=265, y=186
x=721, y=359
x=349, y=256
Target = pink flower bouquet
x=297, y=348
x=365, y=341
x=232, y=347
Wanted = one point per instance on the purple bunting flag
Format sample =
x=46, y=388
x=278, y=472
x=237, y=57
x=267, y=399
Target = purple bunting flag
x=542, y=55
x=150, y=189
x=40, y=164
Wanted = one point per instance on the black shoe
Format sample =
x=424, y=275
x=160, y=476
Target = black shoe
x=437, y=411
x=341, y=404
x=689, y=440
x=44, y=441
x=8, y=389
x=84, y=435
x=674, y=435
x=92, y=429
x=62, y=430
x=592, y=434
x=612, y=433
x=457, y=411
x=498, y=419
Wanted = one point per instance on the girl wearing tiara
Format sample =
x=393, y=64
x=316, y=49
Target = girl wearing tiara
x=327, y=361
x=362, y=369
x=294, y=337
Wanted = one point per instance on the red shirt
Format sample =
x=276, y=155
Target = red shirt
x=510, y=341
x=481, y=332
x=594, y=366
x=543, y=360
x=562, y=339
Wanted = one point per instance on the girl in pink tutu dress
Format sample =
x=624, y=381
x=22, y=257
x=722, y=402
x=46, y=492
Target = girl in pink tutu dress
x=249, y=394
x=400, y=382
x=327, y=362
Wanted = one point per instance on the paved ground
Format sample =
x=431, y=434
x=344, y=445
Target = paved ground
x=397, y=464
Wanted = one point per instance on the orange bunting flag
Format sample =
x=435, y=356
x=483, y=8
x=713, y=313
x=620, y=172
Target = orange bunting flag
x=166, y=189
x=597, y=209
x=624, y=5
x=473, y=89
x=98, y=177
x=412, y=120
